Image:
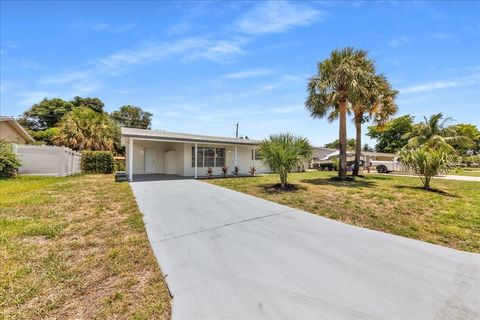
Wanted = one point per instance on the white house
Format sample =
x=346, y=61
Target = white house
x=189, y=155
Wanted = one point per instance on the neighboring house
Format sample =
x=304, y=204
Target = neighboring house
x=190, y=155
x=12, y=131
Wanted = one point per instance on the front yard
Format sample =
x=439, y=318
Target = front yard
x=76, y=247
x=450, y=216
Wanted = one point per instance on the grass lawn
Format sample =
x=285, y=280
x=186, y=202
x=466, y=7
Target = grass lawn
x=449, y=217
x=472, y=172
x=76, y=247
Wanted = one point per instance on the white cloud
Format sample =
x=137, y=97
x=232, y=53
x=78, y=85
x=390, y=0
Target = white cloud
x=103, y=26
x=288, y=109
x=186, y=49
x=399, y=41
x=277, y=16
x=442, y=84
x=31, y=97
x=66, y=78
x=253, y=73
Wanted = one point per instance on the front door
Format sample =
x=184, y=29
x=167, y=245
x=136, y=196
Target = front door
x=149, y=160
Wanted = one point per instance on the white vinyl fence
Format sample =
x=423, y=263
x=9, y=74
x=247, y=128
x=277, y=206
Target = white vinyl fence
x=47, y=160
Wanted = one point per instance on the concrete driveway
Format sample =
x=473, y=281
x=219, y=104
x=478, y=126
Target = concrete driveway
x=227, y=255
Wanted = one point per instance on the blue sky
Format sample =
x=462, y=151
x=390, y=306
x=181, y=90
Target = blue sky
x=201, y=67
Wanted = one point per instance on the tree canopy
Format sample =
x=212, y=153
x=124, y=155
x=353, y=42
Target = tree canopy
x=94, y=104
x=336, y=144
x=45, y=114
x=133, y=117
x=390, y=135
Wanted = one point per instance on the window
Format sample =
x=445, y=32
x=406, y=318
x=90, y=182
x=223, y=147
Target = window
x=209, y=157
x=219, y=157
x=257, y=155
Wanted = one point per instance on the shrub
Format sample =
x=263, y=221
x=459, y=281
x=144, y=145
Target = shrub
x=252, y=171
x=209, y=172
x=97, y=162
x=426, y=163
x=235, y=171
x=224, y=171
x=9, y=162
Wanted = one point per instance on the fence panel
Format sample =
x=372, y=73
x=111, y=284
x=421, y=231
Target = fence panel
x=48, y=160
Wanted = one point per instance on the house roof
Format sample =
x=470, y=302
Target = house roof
x=17, y=126
x=182, y=137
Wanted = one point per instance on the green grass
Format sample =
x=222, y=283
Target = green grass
x=471, y=172
x=76, y=247
x=449, y=215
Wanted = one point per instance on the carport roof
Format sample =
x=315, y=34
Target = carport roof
x=182, y=137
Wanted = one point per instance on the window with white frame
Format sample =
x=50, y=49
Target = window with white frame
x=257, y=155
x=209, y=157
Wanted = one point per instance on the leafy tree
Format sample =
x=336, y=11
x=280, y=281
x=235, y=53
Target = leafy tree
x=283, y=152
x=45, y=114
x=94, y=104
x=366, y=147
x=378, y=105
x=470, y=131
x=85, y=129
x=133, y=117
x=336, y=144
x=434, y=134
x=345, y=75
x=426, y=162
x=390, y=135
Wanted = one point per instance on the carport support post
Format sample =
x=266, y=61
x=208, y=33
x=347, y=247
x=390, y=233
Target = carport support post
x=236, y=159
x=196, y=155
x=130, y=159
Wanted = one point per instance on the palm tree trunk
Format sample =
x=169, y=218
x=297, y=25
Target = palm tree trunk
x=358, y=145
x=342, y=136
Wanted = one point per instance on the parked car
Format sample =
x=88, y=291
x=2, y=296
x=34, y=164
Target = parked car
x=387, y=166
x=328, y=165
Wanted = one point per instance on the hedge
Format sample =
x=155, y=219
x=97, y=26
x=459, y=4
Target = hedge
x=9, y=162
x=97, y=162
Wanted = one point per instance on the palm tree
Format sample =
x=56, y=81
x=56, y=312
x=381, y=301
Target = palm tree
x=84, y=129
x=283, y=153
x=379, y=105
x=434, y=134
x=346, y=74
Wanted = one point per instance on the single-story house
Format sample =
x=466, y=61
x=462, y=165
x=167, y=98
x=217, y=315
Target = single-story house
x=188, y=155
x=11, y=131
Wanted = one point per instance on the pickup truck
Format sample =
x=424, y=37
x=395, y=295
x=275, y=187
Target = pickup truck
x=387, y=166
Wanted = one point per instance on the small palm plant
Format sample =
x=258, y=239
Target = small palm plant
x=282, y=153
x=426, y=162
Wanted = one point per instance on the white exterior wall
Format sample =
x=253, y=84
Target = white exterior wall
x=184, y=158
x=47, y=160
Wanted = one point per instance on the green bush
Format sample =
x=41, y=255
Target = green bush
x=9, y=162
x=97, y=162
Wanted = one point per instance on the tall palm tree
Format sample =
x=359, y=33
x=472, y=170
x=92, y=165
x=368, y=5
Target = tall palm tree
x=346, y=74
x=433, y=133
x=379, y=105
x=283, y=153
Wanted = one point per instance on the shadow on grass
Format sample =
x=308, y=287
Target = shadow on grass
x=334, y=181
x=275, y=188
x=443, y=193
